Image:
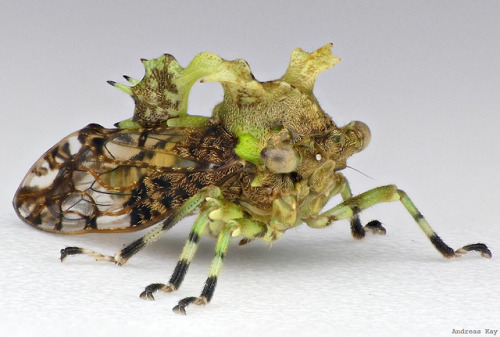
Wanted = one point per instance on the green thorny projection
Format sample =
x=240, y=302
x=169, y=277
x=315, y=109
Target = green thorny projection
x=251, y=110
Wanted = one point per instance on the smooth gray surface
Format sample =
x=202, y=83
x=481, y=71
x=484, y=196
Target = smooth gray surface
x=423, y=75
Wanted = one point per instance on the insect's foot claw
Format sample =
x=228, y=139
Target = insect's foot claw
x=147, y=295
x=484, y=250
x=63, y=255
x=375, y=227
x=486, y=253
x=180, y=308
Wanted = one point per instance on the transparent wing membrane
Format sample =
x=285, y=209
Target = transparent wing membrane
x=99, y=179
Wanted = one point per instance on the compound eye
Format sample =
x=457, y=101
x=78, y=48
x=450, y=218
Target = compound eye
x=280, y=159
x=363, y=132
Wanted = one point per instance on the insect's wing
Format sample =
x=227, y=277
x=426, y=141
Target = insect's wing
x=104, y=180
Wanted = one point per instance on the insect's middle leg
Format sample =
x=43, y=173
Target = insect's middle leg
x=215, y=270
x=185, y=259
x=349, y=207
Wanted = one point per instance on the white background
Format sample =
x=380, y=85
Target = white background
x=424, y=75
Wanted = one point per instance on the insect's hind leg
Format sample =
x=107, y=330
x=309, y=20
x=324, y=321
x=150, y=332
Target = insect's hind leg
x=120, y=257
x=357, y=229
x=185, y=259
x=349, y=207
x=126, y=253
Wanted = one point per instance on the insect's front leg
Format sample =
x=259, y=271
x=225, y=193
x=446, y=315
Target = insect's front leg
x=351, y=206
x=357, y=230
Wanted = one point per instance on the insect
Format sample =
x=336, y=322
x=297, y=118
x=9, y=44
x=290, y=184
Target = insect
x=267, y=160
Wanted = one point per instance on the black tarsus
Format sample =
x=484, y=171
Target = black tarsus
x=376, y=227
x=478, y=247
x=70, y=251
x=180, y=308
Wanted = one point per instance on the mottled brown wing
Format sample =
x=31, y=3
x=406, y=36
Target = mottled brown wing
x=110, y=180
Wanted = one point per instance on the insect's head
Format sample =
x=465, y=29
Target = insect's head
x=342, y=143
x=336, y=145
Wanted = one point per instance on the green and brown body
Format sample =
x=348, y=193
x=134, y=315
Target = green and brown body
x=267, y=160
